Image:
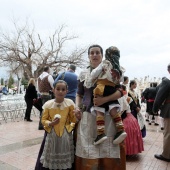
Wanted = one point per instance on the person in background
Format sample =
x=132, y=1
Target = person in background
x=126, y=82
x=5, y=90
x=89, y=156
x=135, y=104
x=70, y=77
x=133, y=141
x=162, y=102
x=149, y=94
x=45, y=84
x=161, y=119
x=54, y=75
x=30, y=96
x=59, y=121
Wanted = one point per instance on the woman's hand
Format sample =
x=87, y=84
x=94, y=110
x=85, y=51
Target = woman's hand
x=138, y=109
x=34, y=100
x=77, y=113
x=99, y=100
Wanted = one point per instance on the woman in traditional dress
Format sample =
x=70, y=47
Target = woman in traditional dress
x=89, y=156
x=133, y=141
x=135, y=104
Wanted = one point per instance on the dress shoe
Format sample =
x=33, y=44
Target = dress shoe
x=149, y=123
x=161, y=158
x=156, y=124
x=162, y=128
x=29, y=120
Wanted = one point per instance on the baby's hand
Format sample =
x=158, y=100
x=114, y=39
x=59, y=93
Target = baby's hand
x=115, y=74
x=105, y=67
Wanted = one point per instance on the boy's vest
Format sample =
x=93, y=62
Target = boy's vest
x=44, y=85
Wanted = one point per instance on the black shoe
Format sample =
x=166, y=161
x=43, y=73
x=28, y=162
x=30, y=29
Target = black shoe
x=161, y=158
x=149, y=123
x=99, y=139
x=119, y=137
x=162, y=128
x=29, y=120
x=156, y=124
x=147, y=120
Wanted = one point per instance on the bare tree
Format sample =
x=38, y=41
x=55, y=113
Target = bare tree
x=25, y=50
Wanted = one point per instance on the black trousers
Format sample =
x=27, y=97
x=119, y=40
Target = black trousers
x=29, y=102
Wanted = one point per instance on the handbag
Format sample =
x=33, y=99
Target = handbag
x=38, y=104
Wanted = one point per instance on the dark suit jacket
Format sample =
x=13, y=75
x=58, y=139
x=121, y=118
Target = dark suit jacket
x=162, y=98
x=149, y=94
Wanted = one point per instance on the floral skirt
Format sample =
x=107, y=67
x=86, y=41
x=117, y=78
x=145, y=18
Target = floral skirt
x=58, y=151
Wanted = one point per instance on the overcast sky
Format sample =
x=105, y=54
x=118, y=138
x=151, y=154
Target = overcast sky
x=139, y=28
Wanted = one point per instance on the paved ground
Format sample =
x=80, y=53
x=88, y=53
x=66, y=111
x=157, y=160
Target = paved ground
x=20, y=143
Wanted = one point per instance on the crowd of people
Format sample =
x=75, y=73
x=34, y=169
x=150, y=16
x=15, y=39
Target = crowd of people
x=94, y=120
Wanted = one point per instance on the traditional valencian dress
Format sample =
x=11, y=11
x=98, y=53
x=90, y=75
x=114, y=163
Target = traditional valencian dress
x=133, y=141
x=133, y=105
x=58, y=151
x=89, y=156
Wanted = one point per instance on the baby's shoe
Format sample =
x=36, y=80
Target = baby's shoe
x=99, y=139
x=119, y=137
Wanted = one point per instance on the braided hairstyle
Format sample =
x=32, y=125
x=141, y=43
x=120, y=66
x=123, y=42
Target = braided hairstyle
x=113, y=55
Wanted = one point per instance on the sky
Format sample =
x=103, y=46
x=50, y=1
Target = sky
x=140, y=28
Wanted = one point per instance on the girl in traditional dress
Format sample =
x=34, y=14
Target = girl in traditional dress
x=58, y=120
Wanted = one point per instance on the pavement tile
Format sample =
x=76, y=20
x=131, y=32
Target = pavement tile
x=20, y=142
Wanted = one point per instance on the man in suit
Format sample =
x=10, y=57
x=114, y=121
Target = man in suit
x=149, y=95
x=162, y=102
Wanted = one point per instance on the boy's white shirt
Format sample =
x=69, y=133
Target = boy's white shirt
x=50, y=79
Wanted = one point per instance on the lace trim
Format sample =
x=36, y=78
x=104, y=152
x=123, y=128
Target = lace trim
x=52, y=104
x=54, y=165
x=57, y=160
x=86, y=77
